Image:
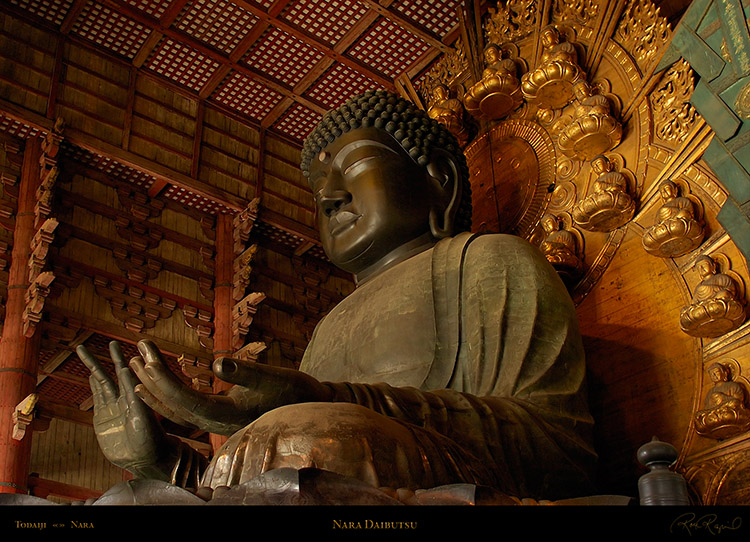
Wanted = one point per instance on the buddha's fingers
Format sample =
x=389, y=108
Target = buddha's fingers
x=125, y=378
x=266, y=380
x=209, y=412
x=102, y=385
x=157, y=406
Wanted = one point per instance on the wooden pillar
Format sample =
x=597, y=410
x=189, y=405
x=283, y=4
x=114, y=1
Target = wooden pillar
x=223, y=302
x=19, y=355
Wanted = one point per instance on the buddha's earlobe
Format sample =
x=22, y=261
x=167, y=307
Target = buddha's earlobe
x=443, y=169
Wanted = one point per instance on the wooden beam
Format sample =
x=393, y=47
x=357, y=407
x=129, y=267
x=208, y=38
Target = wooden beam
x=60, y=356
x=41, y=487
x=197, y=140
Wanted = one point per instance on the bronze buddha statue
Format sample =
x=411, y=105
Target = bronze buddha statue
x=457, y=359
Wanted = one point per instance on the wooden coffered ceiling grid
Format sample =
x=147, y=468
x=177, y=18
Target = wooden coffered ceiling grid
x=273, y=66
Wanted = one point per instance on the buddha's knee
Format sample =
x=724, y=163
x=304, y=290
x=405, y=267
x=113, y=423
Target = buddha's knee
x=344, y=438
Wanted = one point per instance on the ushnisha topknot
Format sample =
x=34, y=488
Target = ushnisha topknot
x=411, y=127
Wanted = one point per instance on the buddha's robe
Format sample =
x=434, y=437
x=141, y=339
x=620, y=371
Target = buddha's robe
x=466, y=359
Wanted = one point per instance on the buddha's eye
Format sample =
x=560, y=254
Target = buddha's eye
x=357, y=163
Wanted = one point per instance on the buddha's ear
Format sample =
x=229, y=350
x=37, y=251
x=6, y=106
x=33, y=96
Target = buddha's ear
x=442, y=168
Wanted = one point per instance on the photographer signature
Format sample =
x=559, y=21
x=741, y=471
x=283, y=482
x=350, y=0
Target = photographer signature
x=708, y=523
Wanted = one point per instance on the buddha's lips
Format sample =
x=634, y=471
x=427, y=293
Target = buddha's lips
x=341, y=220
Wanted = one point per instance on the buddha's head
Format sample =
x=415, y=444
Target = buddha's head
x=582, y=90
x=706, y=266
x=601, y=164
x=388, y=181
x=668, y=190
x=440, y=93
x=550, y=223
x=718, y=373
x=550, y=37
x=492, y=54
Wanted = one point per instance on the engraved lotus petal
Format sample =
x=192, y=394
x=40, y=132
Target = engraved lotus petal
x=589, y=136
x=672, y=238
x=712, y=318
x=604, y=211
x=493, y=97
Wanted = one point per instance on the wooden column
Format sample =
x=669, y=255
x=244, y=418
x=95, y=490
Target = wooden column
x=223, y=302
x=18, y=354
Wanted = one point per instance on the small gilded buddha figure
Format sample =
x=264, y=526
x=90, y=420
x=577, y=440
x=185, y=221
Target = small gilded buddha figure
x=449, y=112
x=498, y=92
x=610, y=205
x=560, y=247
x=676, y=231
x=593, y=130
x=456, y=360
x=715, y=308
x=724, y=412
x=550, y=85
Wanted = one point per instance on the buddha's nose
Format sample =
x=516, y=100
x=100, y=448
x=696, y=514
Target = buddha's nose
x=331, y=202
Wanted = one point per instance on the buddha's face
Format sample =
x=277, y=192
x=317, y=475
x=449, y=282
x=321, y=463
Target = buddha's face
x=600, y=165
x=705, y=268
x=549, y=224
x=491, y=55
x=717, y=374
x=549, y=38
x=440, y=93
x=371, y=198
x=668, y=191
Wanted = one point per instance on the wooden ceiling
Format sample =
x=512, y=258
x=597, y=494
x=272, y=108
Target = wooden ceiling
x=279, y=64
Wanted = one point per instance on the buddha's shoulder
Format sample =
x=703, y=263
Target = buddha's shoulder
x=497, y=246
x=494, y=254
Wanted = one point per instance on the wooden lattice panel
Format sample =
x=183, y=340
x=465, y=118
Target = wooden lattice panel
x=53, y=11
x=63, y=391
x=245, y=95
x=109, y=166
x=388, y=48
x=13, y=127
x=275, y=235
x=194, y=201
x=218, y=23
x=297, y=122
x=155, y=8
x=339, y=84
x=327, y=21
x=111, y=30
x=182, y=64
x=282, y=57
x=438, y=19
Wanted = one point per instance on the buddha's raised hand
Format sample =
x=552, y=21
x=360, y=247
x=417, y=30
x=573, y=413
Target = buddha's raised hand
x=258, y=389
x=127, y=431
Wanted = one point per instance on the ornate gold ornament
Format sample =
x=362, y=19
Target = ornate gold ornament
x=446, y=70
x=561, y=247
x=676, y=230
x=449, y=112
x=674, y=115
x=499, y=91
x=610, y=205
x=643, y=31
x=579, y=11
x=725, y=413
x=594, y=130
x=742, y=103
x=550, y=86
x=716, y=307
x=511, y=21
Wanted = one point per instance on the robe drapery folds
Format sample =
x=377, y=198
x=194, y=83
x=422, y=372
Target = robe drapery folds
x=475, y=341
